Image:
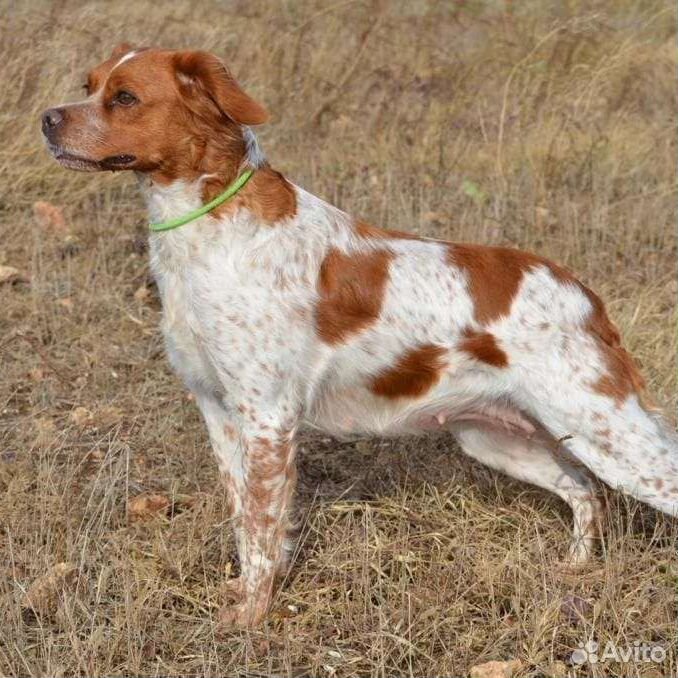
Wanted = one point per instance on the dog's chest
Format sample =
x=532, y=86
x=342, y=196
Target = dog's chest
x=180, y=326
x=204, y=299
x=229, y=316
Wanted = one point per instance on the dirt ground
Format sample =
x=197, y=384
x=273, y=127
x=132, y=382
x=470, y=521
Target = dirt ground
x=545, y=125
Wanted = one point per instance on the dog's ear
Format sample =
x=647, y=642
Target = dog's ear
x=202, y=73
x=120, y=50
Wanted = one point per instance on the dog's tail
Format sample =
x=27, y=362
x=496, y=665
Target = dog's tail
x=634, y=450
x=595, y=405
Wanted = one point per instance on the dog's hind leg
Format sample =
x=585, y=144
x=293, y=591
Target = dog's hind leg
x=592, y=398
x=537, y=460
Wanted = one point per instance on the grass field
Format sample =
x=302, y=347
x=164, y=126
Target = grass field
x=545, y=125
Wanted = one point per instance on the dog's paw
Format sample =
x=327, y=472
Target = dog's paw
x=242, y=609
x=240, y=616
x=578, y=557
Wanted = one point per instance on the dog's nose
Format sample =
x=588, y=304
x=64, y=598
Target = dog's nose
x=51, y=119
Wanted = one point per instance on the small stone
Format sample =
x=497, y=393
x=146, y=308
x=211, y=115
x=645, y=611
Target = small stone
x=142, y=294
x=42, y=596
x=147, y=506
x=496, y=669
x=81, y=416
x=9, y=274
x=50, y=217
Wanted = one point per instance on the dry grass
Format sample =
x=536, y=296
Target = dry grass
x=551, y=127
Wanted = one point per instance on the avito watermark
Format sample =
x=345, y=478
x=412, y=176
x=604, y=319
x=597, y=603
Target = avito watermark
x=638, y=652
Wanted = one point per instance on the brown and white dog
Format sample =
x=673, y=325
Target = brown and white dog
x=280, y=310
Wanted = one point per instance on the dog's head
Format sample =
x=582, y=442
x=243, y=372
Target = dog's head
x=150, y=110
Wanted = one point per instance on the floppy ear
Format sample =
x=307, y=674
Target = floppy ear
x=203, y=73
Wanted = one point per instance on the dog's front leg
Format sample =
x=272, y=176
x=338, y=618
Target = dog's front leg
x=264, y=493
x=223, y=428
x=255, y=453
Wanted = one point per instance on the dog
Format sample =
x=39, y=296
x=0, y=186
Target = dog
x=281, y=311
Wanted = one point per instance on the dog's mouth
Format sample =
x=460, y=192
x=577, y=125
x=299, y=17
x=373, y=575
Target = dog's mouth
x=114, y=162
x=73, y=161
x=83, y=164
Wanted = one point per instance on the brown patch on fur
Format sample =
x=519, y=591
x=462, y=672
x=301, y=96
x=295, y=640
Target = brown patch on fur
x=365, y=230
x=268, y=195
x=483, y=346
x=351, y=289
x=186, y=122
x=623, y=377
x=494, y=276
x=264, y=500
x=207, y=73
x=231, y=495
x=270, y=482
x=414, y=373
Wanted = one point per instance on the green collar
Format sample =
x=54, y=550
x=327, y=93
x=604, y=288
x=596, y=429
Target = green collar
x=195, y=214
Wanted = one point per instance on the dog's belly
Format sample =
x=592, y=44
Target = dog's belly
x=356, y=411
x=351, y=411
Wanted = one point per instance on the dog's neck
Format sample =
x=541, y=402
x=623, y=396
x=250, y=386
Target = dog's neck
x=165, y=201
x=210, y=169
x=203, y=163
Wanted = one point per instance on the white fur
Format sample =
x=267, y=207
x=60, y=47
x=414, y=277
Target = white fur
x=239, y=301
x=225, y=315
x=124, y=58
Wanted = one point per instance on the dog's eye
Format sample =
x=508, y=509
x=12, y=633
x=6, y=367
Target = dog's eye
x=125, y=99
x=86, y=88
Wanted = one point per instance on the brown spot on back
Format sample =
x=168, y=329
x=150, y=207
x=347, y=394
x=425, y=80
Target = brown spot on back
x=483, y=346
x=351, y=289
x=414, y=373
x=494, y=276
